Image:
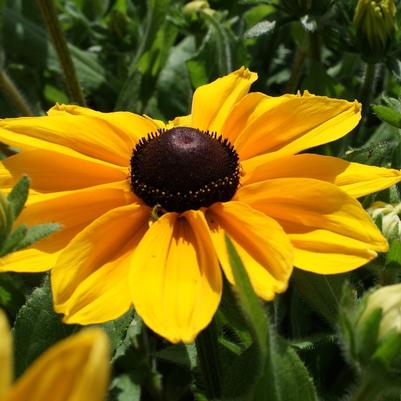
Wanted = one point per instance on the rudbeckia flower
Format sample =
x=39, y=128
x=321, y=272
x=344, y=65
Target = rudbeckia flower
x=76, y=369
x=145, y=205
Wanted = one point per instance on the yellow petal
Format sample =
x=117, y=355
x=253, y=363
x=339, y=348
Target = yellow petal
x=354, y=178
x=325, y=252
x=307, y=209
x=182, y=121
x=104, y=295
x=51, y=171
x=134, y=125
x=99, y=243
x=291, y=123
x=212, y=103
x=88, y=135
x=30, y=260
x=175, y=279
x=262, y=244
x=6, y=356
x=74, y=210
x=76, y=369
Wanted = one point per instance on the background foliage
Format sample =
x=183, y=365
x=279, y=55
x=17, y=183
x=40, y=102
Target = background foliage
x=147, y=57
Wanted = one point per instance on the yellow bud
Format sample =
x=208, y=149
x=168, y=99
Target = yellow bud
x=375, y=21
x=196, y=6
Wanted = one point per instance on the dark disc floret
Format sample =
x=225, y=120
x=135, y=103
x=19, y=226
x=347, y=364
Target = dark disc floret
x=184, y=168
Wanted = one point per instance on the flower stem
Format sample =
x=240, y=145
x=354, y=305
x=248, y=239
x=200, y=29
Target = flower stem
x=295, y=71
x=367, y=86
x=49, y=14
x=209, y=364
x=9, y=88
x=368, y=389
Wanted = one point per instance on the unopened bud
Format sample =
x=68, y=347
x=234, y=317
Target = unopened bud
x=375, y=21
x=388, y=218
x=388, y=300
x=196, y=6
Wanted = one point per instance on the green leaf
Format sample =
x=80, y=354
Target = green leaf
x=393, y=256
x=388, y=350
x=367, y=334
x=18, y=195
x=388, y=115
x=11, y=292
x=117, y=329
x=248, y=300
x=126, y=388
x=376, y=154
x=36, y=233
x=241, y=375
x=286, y=378
x=176, y=354
x=11, y=243
x=37, y=327
x=322, y=293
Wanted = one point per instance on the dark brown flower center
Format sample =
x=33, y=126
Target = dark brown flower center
x=184, y=168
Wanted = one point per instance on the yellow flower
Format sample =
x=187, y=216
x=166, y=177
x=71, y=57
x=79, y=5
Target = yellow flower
x=229, y=167
x=76, y=369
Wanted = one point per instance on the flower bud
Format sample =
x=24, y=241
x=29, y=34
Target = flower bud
x=375, y=22
x=196, y=6
x=388, y=300
x=387, y=217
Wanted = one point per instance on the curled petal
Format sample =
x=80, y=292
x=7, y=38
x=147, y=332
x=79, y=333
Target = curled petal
x=288, y=124
x=212, y=103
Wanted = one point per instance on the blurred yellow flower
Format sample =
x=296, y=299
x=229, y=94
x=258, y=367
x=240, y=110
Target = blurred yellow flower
x=145, y=205
x=76, y=369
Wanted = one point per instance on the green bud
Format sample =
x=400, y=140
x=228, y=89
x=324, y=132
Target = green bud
x=388, y=300
x=387, y=216
x=374, y=21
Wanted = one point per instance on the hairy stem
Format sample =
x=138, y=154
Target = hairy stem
x=49, y=14
x=11, y=91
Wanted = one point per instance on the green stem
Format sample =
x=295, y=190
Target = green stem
x=295, y=71
x=364, y=98
x=367, y=87
x=49, y=14
x=368, y=389
x=9, y=88
x=315, y=47
x=209, y=364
